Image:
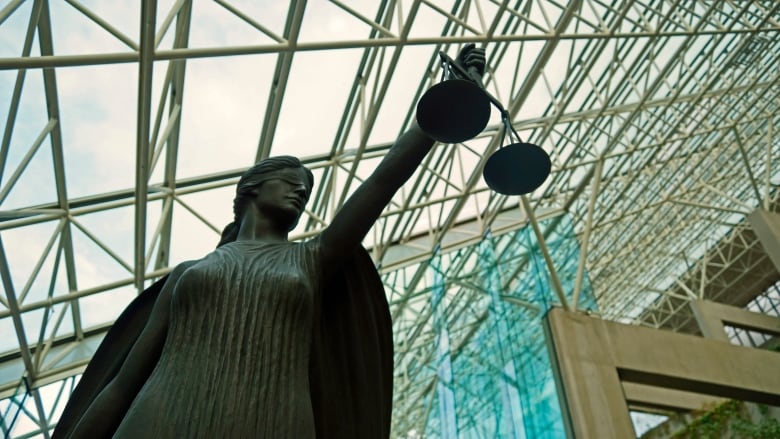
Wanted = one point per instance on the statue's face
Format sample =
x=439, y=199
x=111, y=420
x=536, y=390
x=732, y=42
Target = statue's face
x=283, y=197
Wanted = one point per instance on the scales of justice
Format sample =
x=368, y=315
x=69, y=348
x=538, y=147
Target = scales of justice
x=458, y=108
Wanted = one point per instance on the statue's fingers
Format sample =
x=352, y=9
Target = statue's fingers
x=466, y=50
x=476, y=53
x=475, y=61
x=475, y=57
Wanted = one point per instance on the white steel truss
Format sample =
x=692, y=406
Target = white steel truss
x=660, y=117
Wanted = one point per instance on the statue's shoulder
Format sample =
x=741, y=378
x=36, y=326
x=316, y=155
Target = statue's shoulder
x=182, y=266
x=179, y=269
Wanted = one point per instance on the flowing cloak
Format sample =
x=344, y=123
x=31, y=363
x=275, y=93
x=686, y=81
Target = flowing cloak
x=350, y=366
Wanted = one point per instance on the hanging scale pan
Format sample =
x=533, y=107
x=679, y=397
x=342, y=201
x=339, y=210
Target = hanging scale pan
x=453, y=111
x=517, y=169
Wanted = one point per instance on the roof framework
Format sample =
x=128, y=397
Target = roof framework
x=660, y=118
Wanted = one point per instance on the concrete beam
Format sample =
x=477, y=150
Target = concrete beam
x=653, y=398
x=766, y=226
x=712, y=316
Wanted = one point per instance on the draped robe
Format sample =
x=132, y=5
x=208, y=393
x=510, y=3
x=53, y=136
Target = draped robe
x=260, y=344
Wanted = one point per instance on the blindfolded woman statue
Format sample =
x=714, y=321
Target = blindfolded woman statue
x=261, y=338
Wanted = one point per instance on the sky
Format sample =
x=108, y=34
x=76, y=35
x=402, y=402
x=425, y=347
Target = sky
x=98, y=107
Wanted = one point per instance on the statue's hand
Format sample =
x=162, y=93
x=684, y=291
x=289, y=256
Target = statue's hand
x=472, y=60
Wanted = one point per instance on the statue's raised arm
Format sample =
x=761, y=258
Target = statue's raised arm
x=362, y=209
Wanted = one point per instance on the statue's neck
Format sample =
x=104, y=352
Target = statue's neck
x=256, y=227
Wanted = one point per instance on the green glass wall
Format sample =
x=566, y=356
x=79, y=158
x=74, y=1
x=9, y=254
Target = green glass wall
x=493, y=374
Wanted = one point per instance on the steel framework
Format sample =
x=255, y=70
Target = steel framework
x=659, y=116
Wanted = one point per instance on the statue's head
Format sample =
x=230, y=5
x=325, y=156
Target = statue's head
x=285, y=170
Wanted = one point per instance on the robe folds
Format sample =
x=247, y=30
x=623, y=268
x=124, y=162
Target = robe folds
x=350, y=361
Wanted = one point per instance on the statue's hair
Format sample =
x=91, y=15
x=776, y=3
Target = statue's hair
x=253, y=178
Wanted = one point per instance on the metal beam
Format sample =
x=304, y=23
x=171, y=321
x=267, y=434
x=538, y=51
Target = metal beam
x=142, y=171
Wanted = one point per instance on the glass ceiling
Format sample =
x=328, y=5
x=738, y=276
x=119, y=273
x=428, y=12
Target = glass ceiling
x=125, y=128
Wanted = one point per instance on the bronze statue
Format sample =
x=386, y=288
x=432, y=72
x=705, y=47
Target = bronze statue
x=261, y=337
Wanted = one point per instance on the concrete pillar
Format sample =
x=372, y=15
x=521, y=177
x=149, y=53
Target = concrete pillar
x=588, y=380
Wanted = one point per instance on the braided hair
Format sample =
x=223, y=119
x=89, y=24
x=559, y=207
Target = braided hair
x=250, y=180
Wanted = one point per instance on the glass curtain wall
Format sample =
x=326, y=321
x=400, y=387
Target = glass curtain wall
x=497, y=380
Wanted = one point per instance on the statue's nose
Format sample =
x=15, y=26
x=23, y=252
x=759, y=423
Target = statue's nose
x=300, y=190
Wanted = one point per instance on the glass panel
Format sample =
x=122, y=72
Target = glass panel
x=497, y=380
